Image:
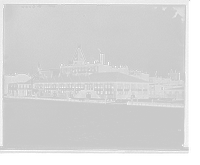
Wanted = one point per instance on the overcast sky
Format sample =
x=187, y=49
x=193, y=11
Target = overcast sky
x=144, y=37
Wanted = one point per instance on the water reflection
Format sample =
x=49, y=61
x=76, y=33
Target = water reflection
x=57, y=123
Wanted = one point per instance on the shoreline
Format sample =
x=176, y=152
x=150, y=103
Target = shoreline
x=142, y=102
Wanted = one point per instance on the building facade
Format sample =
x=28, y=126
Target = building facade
x=176, y=93
x=158, y=84
x=98, y=80
x=18, y=89
x=21, y=77
x=112, y=86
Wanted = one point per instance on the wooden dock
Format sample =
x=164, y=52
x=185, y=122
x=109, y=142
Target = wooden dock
x=157, y=104
x=95, y=100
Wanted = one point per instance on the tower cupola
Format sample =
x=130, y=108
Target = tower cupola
x=78, y=57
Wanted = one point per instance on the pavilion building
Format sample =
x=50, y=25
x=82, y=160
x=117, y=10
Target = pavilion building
x=82, y=80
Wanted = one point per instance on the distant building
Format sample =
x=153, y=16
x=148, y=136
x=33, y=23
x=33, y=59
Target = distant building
x=158, y=84
x=81, y=78
x=176, y=93
x=172, y=74
x=21, y=77
x=105, y=85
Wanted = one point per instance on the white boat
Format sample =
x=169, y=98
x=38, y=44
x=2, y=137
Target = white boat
x=117, y=102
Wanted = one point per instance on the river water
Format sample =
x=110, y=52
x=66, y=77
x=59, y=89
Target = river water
x=52, y=125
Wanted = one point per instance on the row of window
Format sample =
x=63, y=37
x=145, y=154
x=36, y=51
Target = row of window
x=20, y=86
x=132, y=86
x=96, y=86
x=108, y=86
x=13, y=85
x=24, y=86
x=98, y=92
x=174, y=92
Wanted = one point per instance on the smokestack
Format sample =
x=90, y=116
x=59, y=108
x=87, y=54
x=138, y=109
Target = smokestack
x=102, y=59
x=179, y=76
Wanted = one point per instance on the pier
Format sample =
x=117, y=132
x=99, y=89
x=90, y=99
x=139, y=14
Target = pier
x=160, y=104
x=139, y=102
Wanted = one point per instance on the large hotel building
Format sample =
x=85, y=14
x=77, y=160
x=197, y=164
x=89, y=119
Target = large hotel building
x=83, y=80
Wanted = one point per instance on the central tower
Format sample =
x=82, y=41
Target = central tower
x=78, y=57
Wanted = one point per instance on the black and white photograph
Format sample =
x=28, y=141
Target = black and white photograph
x=99, y=77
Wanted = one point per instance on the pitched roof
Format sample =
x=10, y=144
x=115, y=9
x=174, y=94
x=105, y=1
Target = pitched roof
x=113, y=77
x=95, y=77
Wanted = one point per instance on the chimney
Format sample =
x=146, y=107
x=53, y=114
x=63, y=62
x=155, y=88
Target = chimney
x=102, y=59
x=179, y=76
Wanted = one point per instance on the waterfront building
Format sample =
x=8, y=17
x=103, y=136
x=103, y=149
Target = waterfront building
x=110, y=85
x=21, y=77
x=82, y=79
x=176, y=93
x=158, y=84
x=24, y=88
x=18, y=89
